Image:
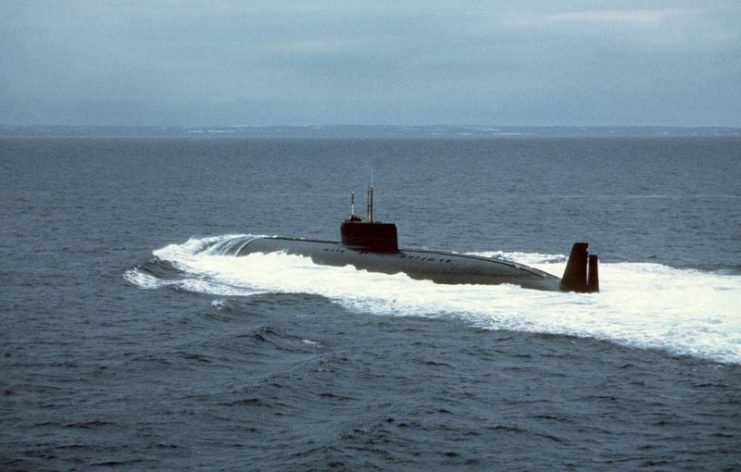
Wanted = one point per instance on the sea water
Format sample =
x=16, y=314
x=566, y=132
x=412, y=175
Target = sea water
x=132, y=337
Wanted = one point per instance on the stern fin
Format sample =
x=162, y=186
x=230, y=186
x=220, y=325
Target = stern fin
x=581, y=274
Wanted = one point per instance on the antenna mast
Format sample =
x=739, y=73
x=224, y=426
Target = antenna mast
x=370, y=203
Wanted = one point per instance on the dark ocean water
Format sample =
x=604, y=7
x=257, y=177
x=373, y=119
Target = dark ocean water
x=125, y=344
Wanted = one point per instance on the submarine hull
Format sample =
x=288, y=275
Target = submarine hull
x=437, y=266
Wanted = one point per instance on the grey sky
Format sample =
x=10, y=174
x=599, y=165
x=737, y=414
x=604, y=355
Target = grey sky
x=664, y=63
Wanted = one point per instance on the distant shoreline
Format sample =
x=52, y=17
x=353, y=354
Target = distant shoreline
x=369, y=131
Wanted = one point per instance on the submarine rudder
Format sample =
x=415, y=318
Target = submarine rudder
x=581, y=273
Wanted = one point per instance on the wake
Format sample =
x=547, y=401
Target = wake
x=683, y=311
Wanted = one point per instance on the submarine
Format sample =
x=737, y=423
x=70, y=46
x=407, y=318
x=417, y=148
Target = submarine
x=373, y=246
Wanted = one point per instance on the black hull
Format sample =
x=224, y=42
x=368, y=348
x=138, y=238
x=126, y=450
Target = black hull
x=437, y=266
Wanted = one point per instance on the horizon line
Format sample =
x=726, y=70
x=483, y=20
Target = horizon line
x=365, y=131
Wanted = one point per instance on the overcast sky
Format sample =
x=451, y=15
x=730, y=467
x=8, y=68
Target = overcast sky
x=202, y=63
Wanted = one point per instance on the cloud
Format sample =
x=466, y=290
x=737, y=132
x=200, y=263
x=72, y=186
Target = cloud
x=601, y=17
x=329, y=62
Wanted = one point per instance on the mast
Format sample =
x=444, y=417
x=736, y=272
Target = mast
x=370, y=203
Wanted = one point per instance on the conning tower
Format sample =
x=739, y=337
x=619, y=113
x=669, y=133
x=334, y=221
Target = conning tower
x=369, y=235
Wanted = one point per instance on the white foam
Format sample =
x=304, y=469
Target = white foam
x=522, y=257
x=643, y=305
x=139, y=278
